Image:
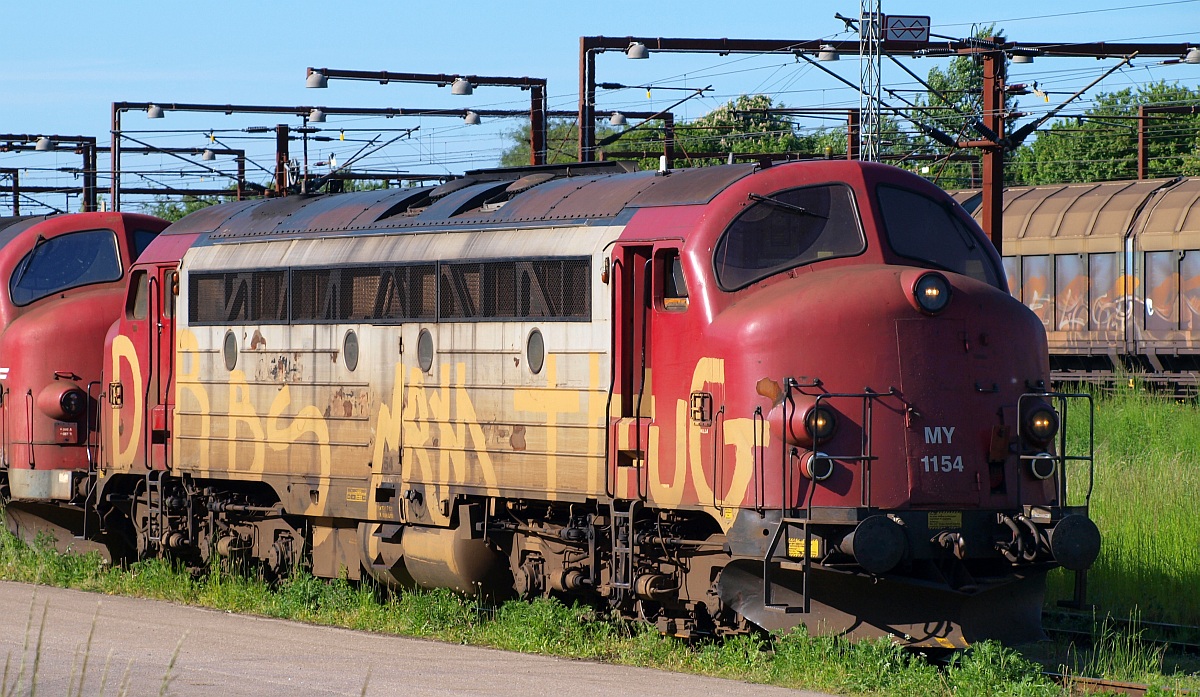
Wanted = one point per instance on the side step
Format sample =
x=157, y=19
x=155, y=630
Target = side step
x=782, y=532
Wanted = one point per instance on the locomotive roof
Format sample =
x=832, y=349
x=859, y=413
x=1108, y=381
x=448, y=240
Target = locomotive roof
x=575, y=194
x=11, y=226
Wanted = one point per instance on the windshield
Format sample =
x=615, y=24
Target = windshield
x=785, y=230
x=928, y=230
x=64, y=262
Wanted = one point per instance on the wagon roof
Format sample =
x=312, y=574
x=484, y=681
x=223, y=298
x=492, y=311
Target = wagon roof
x=1098, y=209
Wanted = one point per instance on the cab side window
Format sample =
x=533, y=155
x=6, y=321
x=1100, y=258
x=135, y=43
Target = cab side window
x=674, y=290
x=137, y=303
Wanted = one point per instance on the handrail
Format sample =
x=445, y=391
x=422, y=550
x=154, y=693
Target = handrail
x=786, y=521
x=29, y=425
x=617, y=266
x=1061, y=400
x=641, y=466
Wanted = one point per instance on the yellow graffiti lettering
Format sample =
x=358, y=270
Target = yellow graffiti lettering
x=417, y=431
x=460, y=442
x=740, y=434
x=466, y=414
x=241, y=411
x=307, y=420
x=187, y=348
x=451, y=435
x=708, y=370
x=459, y=432
x=670, y=493
x=125, y=452
x=551, y=402
x=736, y=432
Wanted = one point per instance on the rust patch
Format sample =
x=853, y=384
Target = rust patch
x=257, y=341
x=517, y=439
x=349, y=402
x=280, y=369
x=769, y=389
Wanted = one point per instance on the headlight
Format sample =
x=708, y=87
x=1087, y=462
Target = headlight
x=72, y=402
x=820, y=424
x=1042, y=423
x=932, y=293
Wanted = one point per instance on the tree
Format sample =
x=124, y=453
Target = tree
x=953, y=105
x=167, y=209
x=562, y=143
x=1099, y=147
x=743, y=125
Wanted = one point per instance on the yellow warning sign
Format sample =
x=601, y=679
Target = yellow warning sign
x=796, y=547
x=939, y=520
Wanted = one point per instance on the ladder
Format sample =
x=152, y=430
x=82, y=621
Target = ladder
x=623, y=546
x=155, y=515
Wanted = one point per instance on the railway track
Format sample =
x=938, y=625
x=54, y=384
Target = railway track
x=1176, y=638
x=1078, y=685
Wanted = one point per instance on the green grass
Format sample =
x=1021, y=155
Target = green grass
x=547, y=627
x=543, y=627
x=1145, y=502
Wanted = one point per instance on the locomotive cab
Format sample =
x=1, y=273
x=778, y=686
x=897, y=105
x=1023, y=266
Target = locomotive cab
x=911, y=437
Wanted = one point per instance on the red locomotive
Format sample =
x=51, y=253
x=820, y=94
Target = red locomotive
x=65, y=286
x=711, y=398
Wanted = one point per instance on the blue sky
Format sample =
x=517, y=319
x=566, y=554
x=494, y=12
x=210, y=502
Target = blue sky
x=66, y=61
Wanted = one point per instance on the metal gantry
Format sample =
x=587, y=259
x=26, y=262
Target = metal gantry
x=460, y=84
x=870, y=56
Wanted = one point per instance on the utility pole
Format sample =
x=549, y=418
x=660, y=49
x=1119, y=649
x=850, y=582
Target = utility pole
x=994, y=91
x=281, y=160
x=1143, y=125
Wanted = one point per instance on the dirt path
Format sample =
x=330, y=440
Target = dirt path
x=227, y=655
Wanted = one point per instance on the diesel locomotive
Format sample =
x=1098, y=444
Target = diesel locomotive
x=712, y=399
x=65, y=282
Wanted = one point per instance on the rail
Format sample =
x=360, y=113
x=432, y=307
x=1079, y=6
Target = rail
x=1079, y=685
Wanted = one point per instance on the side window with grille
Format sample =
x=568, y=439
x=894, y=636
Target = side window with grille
x=551, y=289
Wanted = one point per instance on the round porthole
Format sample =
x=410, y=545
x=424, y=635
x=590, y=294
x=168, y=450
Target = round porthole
x=230, y=351
x=425, y=350
x=535, y=351
x=350, y=350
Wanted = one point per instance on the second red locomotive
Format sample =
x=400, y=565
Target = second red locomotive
x=64, y=286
